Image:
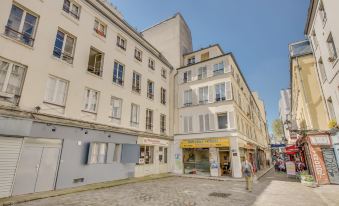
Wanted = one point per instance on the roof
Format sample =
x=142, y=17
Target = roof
x=300, y=48
x=210, y=46
x=310, y=15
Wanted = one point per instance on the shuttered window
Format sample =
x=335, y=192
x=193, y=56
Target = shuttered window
x=91, y=100
x=56, y=91
x=116, y=104
x=228, y=89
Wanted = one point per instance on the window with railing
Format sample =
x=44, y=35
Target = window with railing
x=202, y=73
x=95, y=62
x=150, y=89
x=218, y=68
x=21, y=25
x=162, y=123
x=64, y=46
x=135, y=115
x=163, y=96
x=220, y=92
x=118, y=73
x=188, y=98
x=149, y=119
x=136, y=84
x=203, y=95
x=100, y=28
x=187, y=76
x=121, y=42
x=12, y=76
x=71, y=8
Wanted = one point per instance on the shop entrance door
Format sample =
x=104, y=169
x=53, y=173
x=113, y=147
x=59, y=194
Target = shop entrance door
x=331, y=165
x=225, y=163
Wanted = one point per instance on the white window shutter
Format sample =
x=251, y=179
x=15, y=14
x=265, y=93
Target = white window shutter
x=190, y=124
x=201, y=123
x=207, y=122
x=61, y=92
x=195, y=96
x=185, y=124
x=231, y=120
x=51, y=86
x=228, y=90
x=211, y=121
x=211, y=94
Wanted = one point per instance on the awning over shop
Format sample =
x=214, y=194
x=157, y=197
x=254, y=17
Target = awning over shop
x=205, y=143
x=291, y=150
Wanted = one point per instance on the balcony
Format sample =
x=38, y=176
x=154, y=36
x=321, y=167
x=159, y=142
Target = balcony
x=22, y=37
x=219, y=99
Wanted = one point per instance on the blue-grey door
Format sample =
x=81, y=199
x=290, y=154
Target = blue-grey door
x=37, y=166
x=331, y=165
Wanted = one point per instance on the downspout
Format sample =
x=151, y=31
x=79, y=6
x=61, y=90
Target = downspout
x=304, y=95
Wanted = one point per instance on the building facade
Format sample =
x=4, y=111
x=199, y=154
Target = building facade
x=219, y=120
x=322, y=28
x=84, y=97
x=285, y=115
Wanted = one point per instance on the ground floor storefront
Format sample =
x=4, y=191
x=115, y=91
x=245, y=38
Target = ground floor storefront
x=219, y=156
x=38, y=156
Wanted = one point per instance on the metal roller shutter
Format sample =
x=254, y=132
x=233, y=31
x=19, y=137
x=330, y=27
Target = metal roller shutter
x=9, y=155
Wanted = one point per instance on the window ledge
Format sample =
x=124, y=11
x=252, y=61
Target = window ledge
x=118, y=85
x=17, y=41
x=137, y=93
x=99, y=36
x=54, y=104
x=91, y=112
x=62, y=61
x=94, y=75
x=68, y=16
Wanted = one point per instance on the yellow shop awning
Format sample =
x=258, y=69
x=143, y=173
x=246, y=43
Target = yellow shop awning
x=205, y=143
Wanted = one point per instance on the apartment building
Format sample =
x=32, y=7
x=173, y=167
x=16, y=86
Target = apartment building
x=323, y=31
x=219, y=120
x=285, y=115
x=84, y=97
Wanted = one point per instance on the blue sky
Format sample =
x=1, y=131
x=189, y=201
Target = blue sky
x=256, y=31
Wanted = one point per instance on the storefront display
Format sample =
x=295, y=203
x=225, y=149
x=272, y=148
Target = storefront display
x=196, y=161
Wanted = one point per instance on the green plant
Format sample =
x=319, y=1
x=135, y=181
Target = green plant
x=332, y=124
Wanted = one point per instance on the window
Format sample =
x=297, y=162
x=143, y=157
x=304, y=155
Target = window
x=121, y=42
x=205, y=56
x=314, y=39
x=218, y=68
x=149, y=119
x=162, y=123
x=91, y=100
x=136, y=82
x=56, y=91
x=118, y=73
x=220, y=92
x=163, y=95
x=322, y=13
x=203, y=95
x=98, y=153
x=163, y=155
x=71, y=8
x=150, y=89
x=116, y=104
x=100, y=28
x=331, y=108
x=204, y=122
x=134, y=115
x=64, y=46
x=21, y=25
x=188, y=124
x=191, y=60
x=151, y=63
x=163, y=73
x=146, y=154
x=331, y=49
x=202, y=73
x=11, y=80
x=222, y=121
x=322, y=70
x=138, y=54
x=117, y=153
x=187, y=76
x=95, y=62
x=188, y=98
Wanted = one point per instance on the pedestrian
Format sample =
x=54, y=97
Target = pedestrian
x=248, y=173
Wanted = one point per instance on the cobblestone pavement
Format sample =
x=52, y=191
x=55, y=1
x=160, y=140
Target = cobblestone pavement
x=176, y=191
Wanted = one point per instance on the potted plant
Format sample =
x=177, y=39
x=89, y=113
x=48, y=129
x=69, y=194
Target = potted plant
x=307, y=180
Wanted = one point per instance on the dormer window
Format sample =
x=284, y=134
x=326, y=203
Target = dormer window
x=138, y=54
x=191, y=60
x=151, y=63
x=100, y=28
x=121, y=42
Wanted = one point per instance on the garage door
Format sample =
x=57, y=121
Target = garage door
x=9, y=154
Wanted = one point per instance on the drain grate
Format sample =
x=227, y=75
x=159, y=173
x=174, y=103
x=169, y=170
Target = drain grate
x=219, y=194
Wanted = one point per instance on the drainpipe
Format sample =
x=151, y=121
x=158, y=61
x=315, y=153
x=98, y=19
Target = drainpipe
x=304, y=95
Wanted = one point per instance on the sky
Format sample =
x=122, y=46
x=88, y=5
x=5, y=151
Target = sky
x=256, y=31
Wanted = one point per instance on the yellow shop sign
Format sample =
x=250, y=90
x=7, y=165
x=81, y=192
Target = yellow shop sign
x=205, y=143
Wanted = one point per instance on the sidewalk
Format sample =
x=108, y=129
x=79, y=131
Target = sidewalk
x=35, y=196
x=259, y=174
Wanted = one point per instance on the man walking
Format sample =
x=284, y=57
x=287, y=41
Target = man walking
x=248, y=173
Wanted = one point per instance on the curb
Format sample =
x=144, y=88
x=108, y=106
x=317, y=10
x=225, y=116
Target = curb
x=42, y=195
x=264, y=173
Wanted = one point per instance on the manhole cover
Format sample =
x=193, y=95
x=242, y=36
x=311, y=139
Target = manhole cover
x=219, y=194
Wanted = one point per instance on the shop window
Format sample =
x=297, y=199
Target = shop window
x=163, y=155
x=97, y=153
x=146, y=154
x=21, y=25
x=11, y=80
x=196, y=161
x=95, y=62
x=222, y=121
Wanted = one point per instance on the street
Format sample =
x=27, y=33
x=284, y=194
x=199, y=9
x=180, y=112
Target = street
x=272, y=189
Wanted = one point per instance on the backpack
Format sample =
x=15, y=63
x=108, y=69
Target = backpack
x=247, y=169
